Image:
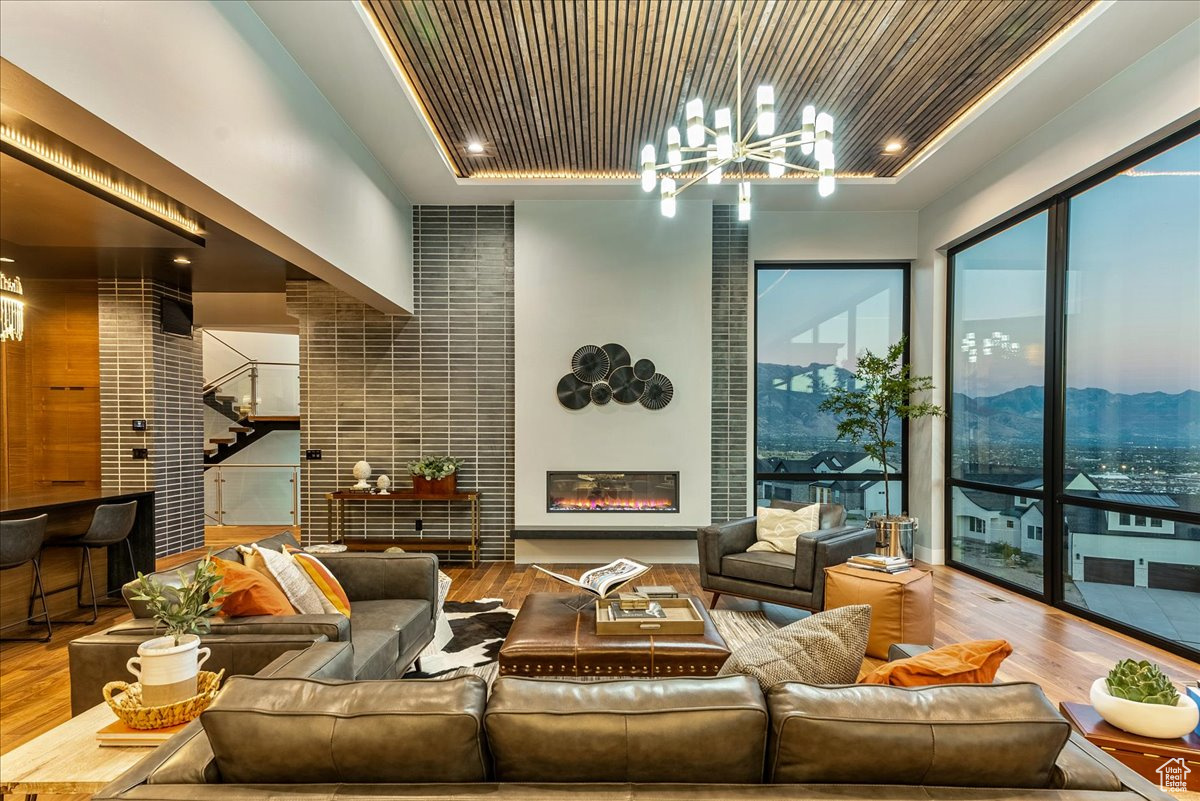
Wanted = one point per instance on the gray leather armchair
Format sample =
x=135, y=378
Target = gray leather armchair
x=727, y=568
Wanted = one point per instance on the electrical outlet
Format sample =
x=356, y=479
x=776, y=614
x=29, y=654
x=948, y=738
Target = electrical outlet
x=420, y=524
x=139, y=425
x=141, y=453
x=313, y=455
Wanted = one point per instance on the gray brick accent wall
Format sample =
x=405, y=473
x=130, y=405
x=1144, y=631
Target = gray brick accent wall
x=731, y=411
x=146, y=374
x=389, y=389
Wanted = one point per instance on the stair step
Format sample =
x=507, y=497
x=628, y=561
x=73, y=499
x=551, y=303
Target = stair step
x=241, y=429
x=222, y=440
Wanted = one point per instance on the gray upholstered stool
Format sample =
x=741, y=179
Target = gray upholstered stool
x=112, y=524
x=21, y=544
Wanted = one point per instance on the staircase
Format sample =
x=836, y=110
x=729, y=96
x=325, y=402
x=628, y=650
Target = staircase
x=245, y=426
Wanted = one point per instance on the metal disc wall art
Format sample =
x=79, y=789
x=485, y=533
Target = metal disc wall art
x=573, y=393
x=590, y=364
x=658, y=392
x=601, y=374
x=626, y=388
x=601, y=393
x=617, y=356
x=644, y=369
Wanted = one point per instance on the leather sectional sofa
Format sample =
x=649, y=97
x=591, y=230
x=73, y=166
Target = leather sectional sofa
x=392, y=599
x=300, y=731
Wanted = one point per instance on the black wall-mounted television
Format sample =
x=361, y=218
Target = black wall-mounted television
x=176, y=317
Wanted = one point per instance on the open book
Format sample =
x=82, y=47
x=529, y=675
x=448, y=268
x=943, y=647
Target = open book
x=602, y=581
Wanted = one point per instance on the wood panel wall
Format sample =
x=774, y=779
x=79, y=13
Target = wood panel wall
x=50, y=434
x=51, y=390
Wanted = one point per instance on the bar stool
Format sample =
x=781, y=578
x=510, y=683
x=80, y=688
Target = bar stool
x=21, y=544
x=112, y=524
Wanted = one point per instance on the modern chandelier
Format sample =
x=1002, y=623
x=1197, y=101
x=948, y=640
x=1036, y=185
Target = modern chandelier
x=734, y=146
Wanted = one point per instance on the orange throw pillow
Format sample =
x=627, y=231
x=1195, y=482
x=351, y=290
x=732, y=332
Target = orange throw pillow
x=326, y=583
x=250, y=593
x=974, y=662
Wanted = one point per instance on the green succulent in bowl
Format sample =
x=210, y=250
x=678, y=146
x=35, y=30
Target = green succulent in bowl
x=1142, y=682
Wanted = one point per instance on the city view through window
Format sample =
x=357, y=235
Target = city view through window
x=1130, y=415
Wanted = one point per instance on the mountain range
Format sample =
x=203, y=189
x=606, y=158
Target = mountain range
x=1094, y=416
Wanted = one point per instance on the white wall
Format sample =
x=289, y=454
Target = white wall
x=207, y=87
x=594, y=272
x=1158, y=93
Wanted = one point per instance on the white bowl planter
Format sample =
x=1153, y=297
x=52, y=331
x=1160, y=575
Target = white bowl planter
x=1148, y=720
x=166, y=671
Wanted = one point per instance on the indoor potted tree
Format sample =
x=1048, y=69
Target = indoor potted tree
x=435, y=475
x=167, y=666
x=1137, y=697
x=882, y=393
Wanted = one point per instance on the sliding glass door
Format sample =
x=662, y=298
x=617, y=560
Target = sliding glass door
x=812, y=323
x=1073, y=463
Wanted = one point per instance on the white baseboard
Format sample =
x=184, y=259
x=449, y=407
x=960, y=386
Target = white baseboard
x=545, y=551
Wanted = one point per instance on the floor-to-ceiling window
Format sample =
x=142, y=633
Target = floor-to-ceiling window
x=812, y=322
x=1073, y=464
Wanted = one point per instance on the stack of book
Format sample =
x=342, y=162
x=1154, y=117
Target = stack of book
x=881, y=564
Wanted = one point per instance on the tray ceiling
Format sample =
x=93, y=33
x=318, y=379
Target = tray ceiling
x=574, y=88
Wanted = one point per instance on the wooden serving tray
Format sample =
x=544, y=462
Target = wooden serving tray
x=682, y=619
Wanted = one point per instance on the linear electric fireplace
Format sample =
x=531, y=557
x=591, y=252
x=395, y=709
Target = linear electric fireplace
x=629, y=491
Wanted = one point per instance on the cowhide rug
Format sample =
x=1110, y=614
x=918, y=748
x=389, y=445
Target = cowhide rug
x=479, y=630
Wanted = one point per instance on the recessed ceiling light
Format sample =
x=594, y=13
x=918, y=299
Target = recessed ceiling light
x=181, y=260
x=474, y=147
x=893, y=147
x=7, y=260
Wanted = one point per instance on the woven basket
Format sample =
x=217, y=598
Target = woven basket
x=131, y=712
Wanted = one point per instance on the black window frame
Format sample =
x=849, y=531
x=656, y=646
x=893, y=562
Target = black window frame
x=1053, y=493
x=905, y=268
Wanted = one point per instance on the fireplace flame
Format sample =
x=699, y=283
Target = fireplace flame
x=609, y=504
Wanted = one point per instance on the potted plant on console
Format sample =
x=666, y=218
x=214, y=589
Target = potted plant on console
x=167, y=666
x=1139, y=698
x=435, y=475
x=882, y=393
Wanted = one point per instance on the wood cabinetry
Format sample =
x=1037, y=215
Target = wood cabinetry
x=51, y=390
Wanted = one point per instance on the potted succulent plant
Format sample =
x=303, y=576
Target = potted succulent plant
x=882, y=393
x=1137, y=697
x=167, y=666
x=435, y=475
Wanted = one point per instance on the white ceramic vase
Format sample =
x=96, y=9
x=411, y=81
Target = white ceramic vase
x=166, y=671
x=1159, y=721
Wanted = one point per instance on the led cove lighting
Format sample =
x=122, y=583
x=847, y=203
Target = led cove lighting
x=97, y=179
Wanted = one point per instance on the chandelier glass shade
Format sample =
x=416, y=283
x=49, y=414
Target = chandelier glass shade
x=728, y=149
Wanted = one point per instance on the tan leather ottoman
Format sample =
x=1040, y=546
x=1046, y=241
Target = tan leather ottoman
x=901, y=604
x=551, y=638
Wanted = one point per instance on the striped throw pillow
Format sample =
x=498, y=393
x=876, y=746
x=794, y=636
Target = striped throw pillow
x=296, y=584
x=333, y=597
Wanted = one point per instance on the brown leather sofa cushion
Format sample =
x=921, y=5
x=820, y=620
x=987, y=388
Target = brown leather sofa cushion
x=999, y=735
x=682, y=730
x=307, y=731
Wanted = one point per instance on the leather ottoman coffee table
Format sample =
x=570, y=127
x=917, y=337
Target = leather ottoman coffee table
x=550, y=638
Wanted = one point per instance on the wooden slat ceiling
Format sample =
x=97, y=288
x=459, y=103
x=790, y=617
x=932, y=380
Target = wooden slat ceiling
x=576, y=87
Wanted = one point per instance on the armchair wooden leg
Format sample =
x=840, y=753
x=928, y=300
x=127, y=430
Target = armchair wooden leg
x=713, y=604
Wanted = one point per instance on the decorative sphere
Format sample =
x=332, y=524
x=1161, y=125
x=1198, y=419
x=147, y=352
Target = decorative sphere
x=362, y=471
x=383, y=482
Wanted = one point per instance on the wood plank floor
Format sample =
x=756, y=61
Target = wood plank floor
x=1061, y=652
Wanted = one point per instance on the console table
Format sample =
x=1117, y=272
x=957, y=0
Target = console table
x=335, y=507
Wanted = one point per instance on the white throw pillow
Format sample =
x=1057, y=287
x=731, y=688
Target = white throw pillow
x=777, y=529
x=296, y=584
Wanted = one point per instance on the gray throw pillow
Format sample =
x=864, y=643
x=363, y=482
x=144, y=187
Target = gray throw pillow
x=826, y=648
